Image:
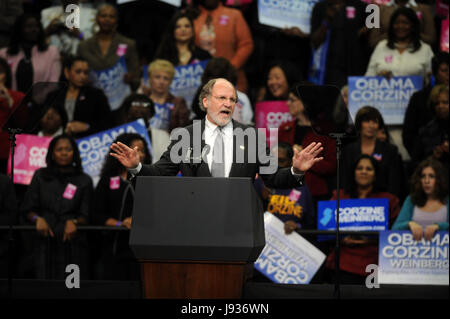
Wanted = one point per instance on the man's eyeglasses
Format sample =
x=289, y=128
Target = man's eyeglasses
x=223, y=99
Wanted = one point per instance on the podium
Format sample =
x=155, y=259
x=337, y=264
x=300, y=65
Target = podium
x=196, y=236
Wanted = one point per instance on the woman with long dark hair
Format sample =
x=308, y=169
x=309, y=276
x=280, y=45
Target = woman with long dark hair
x=368, y=122
x=30, y=58
x=114, y=196
x=57, y=201
x=357, y=252
x=280, y=76
x=426, y=209
x=178, y=43
x=402, y=53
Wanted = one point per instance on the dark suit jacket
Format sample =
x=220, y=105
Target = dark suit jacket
x=91, y=107
x=282, y=178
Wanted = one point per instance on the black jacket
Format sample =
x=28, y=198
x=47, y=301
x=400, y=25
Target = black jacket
x=45, y=197
x=91, y=107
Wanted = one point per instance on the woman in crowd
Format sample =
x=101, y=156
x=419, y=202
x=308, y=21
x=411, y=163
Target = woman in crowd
x=356, y=252
x=368, y=122
x=426, y=209
x=281, y=75
x=418, y=112
x=403, y=53
x=423, y=12
x=9, y=100
x=433, y=137
x=222, y=68
x=106, y=49
x=140, y=106
x=223, y=32
x=113, y=206
x=299, y=133
x=170, y=111
x=178, y=44
x=52, y=123
x=86, y=107
x=57, y=201
x=30, y=58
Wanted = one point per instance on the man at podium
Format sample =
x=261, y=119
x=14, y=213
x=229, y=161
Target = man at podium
x=218, y=146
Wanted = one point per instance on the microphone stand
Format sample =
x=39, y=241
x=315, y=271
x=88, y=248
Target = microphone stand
x=337, y=137
x=12, y=137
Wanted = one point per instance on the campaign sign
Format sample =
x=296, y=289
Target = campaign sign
x=444, y=36
x=389, y=96
x=111, y=82
x=287, y=259
x=271, y=114
x=187, y=80
x=94, y=148
x=355, y=214
x=29, y=156
x=286, y=13
x=403, y=260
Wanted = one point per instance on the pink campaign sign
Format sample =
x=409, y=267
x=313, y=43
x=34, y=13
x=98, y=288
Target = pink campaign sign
x=444, y=36
x=31, y=151
x=271, y=114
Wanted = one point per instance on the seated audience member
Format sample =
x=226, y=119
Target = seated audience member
x=86, y=107
x=170, y=111
x=294, y=206
x=178, y=44
x=427, y=30
x=222, y=68
x=64, y=38
x=418, y=113
x=107, y=48
x=342, y=24
x=402, y=53
x=223, y=32
x=9, y=101
x=390, y=175
x=52, y=123
x=30, y=58
x=433, y=137
x=139, y=106
x=281, y=75
x=356, y=252
x=8, y=214
x=57, y=201
x=426, y=209
x=299, y=133
x=114, y=196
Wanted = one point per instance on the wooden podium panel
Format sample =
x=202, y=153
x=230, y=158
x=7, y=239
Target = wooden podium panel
x=192, y=279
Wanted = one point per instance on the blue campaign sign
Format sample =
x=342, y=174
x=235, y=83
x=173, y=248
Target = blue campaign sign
x=94, y=148
x=403, y=260
x=389, y=96
x=187, y=80
x=111, y=82
x=355, y=214
x=286, y=13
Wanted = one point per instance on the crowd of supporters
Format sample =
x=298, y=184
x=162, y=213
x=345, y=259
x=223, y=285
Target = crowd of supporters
x=144, y=41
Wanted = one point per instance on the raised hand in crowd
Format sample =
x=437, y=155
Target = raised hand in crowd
x=387, y=74
x=294, y=31
x=127, y=222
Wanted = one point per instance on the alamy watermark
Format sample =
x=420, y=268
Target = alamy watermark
x=73, y=19
x=372, y=278
x=73, y=279
x=249, y=147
